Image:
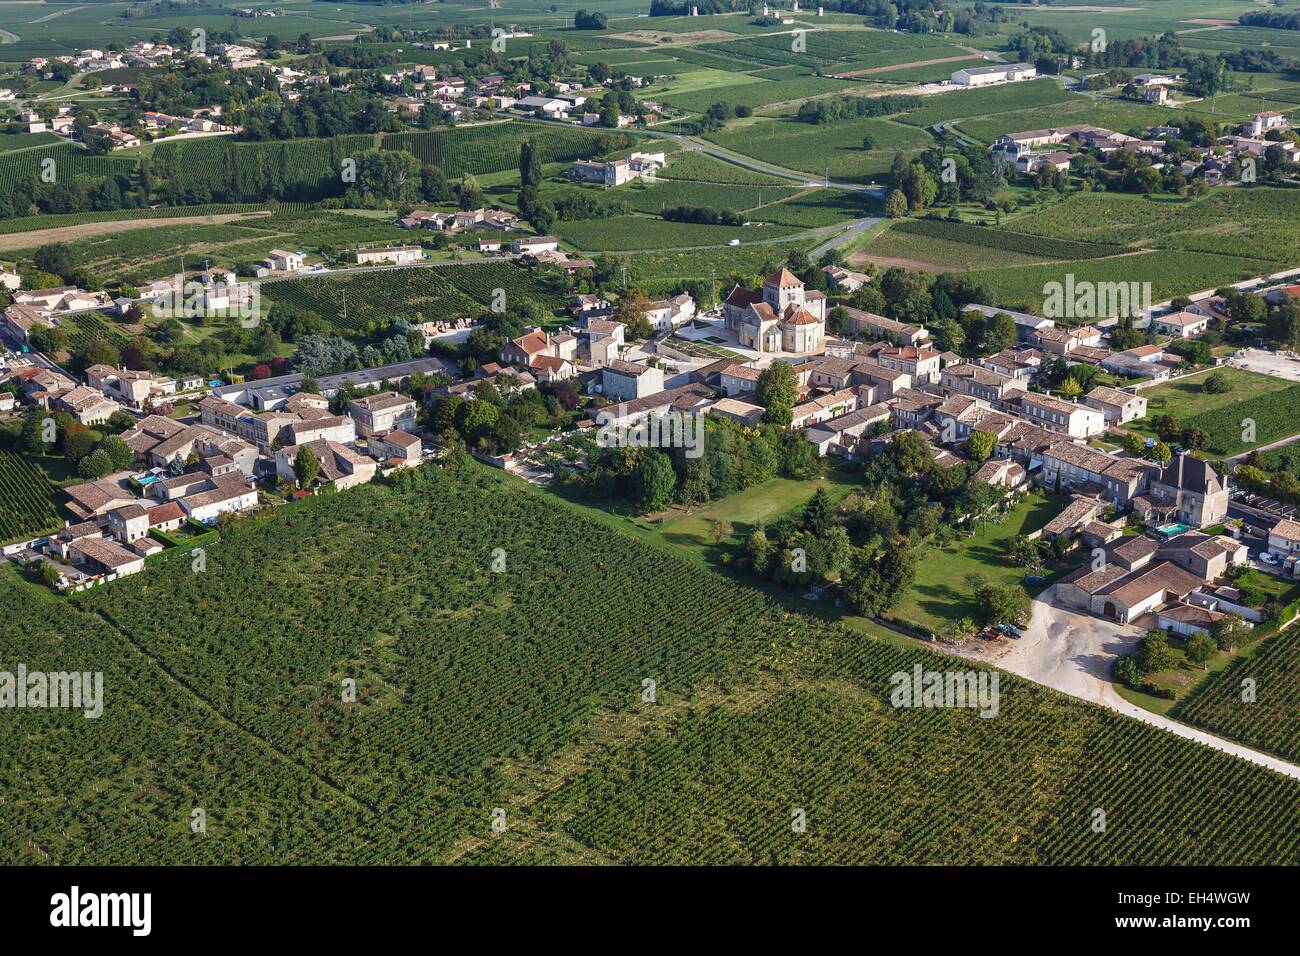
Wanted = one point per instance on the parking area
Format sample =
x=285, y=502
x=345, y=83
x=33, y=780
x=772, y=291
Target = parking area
x=1278, y=364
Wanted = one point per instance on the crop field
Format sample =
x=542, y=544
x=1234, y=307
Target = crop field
x=1276, y=416
x=1271, y=722
x=1257, y=222
x=938, y=254
x=476, y=690
x=701, y=167
x=1023, y=286
x=625, y=233
x=739, y=89
x=58, y=221
x=1185, y=398
x=10, y=142
x=961, y=104
x=813, y=148
x=86, y=328
x=1111, y=113
x=417, y=294
x=1002, y=240
x=833, y=51
x=750, y=260
x=815, y=208
x=26, y=499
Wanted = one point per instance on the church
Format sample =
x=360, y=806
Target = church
x=783, y=317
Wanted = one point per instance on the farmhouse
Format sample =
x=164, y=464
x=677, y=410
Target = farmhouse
x=1180, y=325
x=382, y=413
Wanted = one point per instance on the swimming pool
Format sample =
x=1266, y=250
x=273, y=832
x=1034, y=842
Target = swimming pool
x=1173, y=530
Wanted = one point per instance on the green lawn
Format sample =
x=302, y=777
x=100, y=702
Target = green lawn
x=1185, y=397
x=940, y=595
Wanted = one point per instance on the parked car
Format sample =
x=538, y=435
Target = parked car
x=1268, y=557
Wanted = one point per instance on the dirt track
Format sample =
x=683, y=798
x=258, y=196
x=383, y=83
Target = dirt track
x=37, y=237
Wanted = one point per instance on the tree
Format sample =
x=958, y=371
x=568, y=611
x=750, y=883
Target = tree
x=1216, y=383
x=530, y=164
x=980, y=445
x=95, y=465
x=1000, y=604
x=1000, y=333
x=719, y=529
x=896, y=204
x=819, y=513
x=655, y=481
x=911, y=452
x=34, y=434
x=306, y=467
x=631, y=312
x=777, y=390
x=1160, y=453
x=1229, y=631
x=118, y=451
x=1200, y=649
x=1155, y=654
x=1128, y=670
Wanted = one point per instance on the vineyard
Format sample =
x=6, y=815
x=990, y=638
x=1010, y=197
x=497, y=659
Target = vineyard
x=1276, y=416
x=26, y=499
x=520, y=690
x=1002, y=240
x=416, y=294
x=494, y=148
x=86, y=328
x=1271, y=722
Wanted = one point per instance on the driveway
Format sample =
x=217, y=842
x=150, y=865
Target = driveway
x=1073, y=653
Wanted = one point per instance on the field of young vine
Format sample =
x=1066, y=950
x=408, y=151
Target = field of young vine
x=1003, y=240
x=26, y=499
x=1271, y=721
x=521, y=686
x=494, y=148
x=1276, y=416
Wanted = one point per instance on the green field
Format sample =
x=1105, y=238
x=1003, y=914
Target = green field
x=478, y=690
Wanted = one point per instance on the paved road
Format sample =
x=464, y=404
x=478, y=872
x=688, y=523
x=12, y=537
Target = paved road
x=856, y=228
x=1073, y=653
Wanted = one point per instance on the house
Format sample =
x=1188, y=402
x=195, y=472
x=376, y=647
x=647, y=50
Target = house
x=1180, y=325
x=1123, y=596
x=1071, y=418
x=1191, y=490
x=1284, y=538
x=838, y=435
x=974, y=381
x=11, y=281
x=1061, y=341
x=282, y=261
x=128, y=386
x=340, y=466
x=1155, y=94
x=105, y=557
x=823, y=407
x=19, y=320
x=218, y=496
x=989, y=75
x=667, y=314
x=624, y=381
x=845, y=280
x=879, y=327
x=1117, y=405
x=1002, y=473
x=394, y=255
x=550, y=368
x=87, y=405
x=783, y=317
x=737, y=379
x=1188, y=620
x=1069, y=466
x=604, y=339
x=532, y=245
x=94, y=498
x=1263, y=122
x=744, y=413
x=382, y=413
x=129, y=523
x=399, y=447
x=529, y=346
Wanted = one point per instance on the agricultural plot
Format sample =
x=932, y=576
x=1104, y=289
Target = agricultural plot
x=10, y=142
x=1023, y=286
x=815, y=148
x=26, y=499
x=698, y=166
x=1110, y=113
x=1270, y=722
x=665, y=268
x=361, y=303
x=1257, y=222
x=86, y=328
x=654, y=198
x=1275, y=416
x=966, y=104
x=747, y=91
x=58, y=221
x=460, y=709
x=1003, y=240
x=625, y=233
